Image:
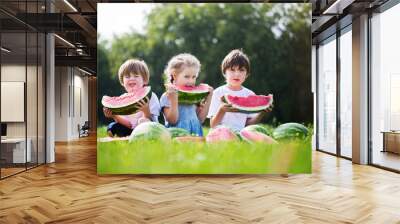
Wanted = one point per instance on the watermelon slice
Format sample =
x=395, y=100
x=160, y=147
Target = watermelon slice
x=249, y=104
x=254, y=136
x=192, y=94
x=221, y=134
x=126, y=103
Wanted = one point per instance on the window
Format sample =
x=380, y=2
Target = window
x=346, y=93
x=327, y=96
x=385, y=85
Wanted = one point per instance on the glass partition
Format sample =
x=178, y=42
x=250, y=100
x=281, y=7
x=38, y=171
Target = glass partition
x=13, y=95
x=22, y=88
x=31, y=99
x=346, y=93
x=327, y=96
x=385, y=89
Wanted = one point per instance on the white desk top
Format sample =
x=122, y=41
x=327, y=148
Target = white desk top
x=13, y=140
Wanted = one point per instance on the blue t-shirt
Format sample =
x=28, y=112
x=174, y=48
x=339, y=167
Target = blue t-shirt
x=187, y=119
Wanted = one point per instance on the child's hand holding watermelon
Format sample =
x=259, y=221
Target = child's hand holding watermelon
x=210, y=90
x=107, y=112
x=143, y=105
x=269, y=109
x=171, y=91
x=227, y=107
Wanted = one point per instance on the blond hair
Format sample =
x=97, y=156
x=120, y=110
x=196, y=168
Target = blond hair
x=134, y=66
x=177, y=63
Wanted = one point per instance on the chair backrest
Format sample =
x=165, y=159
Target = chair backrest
x=86, y=125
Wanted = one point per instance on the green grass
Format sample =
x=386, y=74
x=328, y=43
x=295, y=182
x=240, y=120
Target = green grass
x=101, y=132
x=147, y=157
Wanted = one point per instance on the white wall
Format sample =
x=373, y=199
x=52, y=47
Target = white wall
x=80, y=98
x=71, y=94
x=61, y=103
x=13, y=73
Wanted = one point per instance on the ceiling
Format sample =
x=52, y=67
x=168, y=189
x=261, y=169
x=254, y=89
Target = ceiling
x=328, y=16
x=75, y=23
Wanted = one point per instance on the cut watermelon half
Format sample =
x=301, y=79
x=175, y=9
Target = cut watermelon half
x=126, y=103
x=192, y=94
x=249, y=104
x=254, y=136
x=221, y=134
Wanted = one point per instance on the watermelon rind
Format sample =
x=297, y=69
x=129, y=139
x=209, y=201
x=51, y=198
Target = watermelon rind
x=258, y=128
x=243, y=137
x=289, y=131
x=127, y=108
x=178, y=132
x=248, y=110
x=150, y=131
x=192, y=97
x=237, y=133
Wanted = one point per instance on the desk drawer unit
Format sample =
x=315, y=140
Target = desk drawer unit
x=14, y=151
x=391, y=142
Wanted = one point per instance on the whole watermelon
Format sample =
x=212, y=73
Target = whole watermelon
x=150, y=131
x=178, y=132
x=290, y=131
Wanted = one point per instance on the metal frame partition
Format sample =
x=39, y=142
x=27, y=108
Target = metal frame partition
x=31, y=29
x=382, y=8
x=337, y=30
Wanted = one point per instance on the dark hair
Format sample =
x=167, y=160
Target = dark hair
x=236, y=58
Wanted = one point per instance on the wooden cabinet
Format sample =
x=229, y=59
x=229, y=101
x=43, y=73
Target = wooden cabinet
x=391, y=142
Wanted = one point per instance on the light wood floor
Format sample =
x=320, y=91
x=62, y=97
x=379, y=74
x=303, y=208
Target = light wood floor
x=10, y=171
x=5, y=172
x=387, y=159
x=70, y=191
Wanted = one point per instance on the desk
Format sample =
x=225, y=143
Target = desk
x=15, y=148
x=391, y=141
